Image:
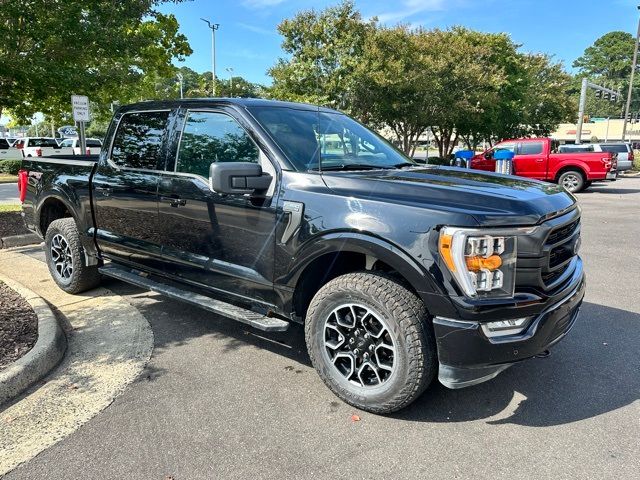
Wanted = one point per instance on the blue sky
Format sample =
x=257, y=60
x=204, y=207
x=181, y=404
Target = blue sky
x=248, y=41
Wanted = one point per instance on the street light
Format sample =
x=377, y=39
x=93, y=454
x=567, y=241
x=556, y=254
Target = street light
x=230, y=71
x=180, y=80
x=633, y=71
x=213, y=27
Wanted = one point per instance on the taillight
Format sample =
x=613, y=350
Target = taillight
x=38, y=152
x=631, y=155
x=88, y=151
x=23, y=178
x=19, y=145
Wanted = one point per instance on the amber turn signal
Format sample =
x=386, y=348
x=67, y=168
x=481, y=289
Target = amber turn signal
x=475, y=264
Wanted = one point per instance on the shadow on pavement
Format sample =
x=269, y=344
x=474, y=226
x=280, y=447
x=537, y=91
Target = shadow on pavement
x=594, y=370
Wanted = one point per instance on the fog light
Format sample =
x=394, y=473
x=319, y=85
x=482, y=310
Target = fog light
x=503, y=328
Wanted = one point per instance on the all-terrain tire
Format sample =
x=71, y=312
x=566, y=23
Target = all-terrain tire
x=409, y=326
x=62, y=236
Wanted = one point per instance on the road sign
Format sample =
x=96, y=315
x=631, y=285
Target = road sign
x=80, y=104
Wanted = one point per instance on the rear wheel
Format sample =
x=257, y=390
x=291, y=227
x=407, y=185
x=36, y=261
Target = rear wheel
x=65, y=258
x=370, y=340
x=572, y=180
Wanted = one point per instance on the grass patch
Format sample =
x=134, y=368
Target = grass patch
x=10, y=208
x=4, y=178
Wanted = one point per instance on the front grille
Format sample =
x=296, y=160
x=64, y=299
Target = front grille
x=561, y=247
x=562, y=233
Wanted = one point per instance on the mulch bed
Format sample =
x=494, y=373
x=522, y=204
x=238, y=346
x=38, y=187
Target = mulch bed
x=18, y=326
x=11, y=223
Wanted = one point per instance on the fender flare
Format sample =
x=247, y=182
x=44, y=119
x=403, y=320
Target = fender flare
x=348, y=241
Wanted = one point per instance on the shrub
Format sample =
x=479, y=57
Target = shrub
x=10, y=166
x=636, y=160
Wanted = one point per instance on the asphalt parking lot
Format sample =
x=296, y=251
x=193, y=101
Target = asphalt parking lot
x=220, y=401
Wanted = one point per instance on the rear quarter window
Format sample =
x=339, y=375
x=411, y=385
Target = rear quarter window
x=138, y=140
x=531, y=148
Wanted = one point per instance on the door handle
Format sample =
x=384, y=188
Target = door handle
x=106, y=191
x=174, y=201
x=539, y=160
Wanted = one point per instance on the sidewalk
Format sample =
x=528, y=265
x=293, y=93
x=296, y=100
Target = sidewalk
x=109, y=343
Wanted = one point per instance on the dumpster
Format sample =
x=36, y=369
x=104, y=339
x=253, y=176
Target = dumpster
x=462, y=158
x=504, y=161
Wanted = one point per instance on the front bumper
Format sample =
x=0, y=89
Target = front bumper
x=468, y=357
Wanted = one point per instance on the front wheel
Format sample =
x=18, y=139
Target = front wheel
x=370, y=340
x=65, y=258
x=572, y=180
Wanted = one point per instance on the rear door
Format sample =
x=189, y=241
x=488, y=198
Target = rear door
x=531, y=160
x=223, y=242
x=125, y=190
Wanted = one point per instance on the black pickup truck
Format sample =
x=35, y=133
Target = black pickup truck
x=274, y=213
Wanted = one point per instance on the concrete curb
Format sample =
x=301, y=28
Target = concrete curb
x=45, y=354
x=19, y=240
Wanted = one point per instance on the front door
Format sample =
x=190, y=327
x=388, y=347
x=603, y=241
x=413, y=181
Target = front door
x=125, y=190
x=531, y=160
x=222, y=242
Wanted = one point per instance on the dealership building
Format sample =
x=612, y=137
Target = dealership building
x=598, y=128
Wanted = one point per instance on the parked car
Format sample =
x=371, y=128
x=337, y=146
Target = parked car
x=7, y=152
x=398, y=273
x=623, y=150
x=538, y=158
x=41, y=146
x=93, y=146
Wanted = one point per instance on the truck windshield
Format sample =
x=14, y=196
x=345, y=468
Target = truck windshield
x=320, y=140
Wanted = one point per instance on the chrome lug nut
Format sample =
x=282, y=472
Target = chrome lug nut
x=371, y=348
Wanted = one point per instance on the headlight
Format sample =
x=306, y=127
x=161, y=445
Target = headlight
x=482, y=264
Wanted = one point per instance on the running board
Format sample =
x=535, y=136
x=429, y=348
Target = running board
x=239, y=314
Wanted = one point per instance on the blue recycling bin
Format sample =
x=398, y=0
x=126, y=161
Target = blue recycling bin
x=462, y=158
x=504, y=161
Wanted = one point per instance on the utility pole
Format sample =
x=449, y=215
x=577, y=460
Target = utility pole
x=633, y=71
x=230, y=71
x=583, y=99
x=180, y=80
x=213, y=27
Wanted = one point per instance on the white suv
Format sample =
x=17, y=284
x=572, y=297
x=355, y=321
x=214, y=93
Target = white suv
x=624, y=151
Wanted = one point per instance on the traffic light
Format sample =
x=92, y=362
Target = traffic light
x=614, y=97
x=605, y=95
x=628, y=116
x=598, y=93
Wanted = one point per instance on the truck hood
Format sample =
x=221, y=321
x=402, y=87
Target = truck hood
x=491, y=199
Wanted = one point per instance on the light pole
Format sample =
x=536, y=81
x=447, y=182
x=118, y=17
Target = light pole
x=180, y=80
x=633, y=71
x=213, y=27
x=230, y=71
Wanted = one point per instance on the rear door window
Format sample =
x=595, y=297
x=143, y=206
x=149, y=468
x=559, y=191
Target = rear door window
x=138, y=140
x=213, y=137
x=531, y=148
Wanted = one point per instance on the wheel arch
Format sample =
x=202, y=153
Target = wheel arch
x=582, y=169
x=337, y=254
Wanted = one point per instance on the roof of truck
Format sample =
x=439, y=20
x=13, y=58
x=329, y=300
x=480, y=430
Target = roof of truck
x=204, y=102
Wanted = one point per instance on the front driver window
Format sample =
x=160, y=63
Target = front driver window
x=213, y=137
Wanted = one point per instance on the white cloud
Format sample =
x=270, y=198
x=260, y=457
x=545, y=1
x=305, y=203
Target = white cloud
x=261, y=3
x=256, y=29
x=409, y=8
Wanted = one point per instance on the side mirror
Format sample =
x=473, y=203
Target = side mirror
x=488, y=155
x=237, y=178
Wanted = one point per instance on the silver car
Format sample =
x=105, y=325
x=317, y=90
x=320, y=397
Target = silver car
x=624, y=151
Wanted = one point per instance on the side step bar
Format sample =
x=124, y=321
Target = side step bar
x=256, y=320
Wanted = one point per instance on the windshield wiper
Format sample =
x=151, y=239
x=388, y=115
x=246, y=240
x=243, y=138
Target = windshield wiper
x=404, y=164
x=353, y=166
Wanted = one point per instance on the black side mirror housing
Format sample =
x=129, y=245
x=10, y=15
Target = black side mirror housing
x=238, y=178
x=488, y=155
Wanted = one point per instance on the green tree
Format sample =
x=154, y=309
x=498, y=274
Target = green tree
x=323, y=51
x=608, y=63
x=101, y=48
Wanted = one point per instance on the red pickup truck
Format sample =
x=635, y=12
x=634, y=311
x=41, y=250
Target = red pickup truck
x=537, y=158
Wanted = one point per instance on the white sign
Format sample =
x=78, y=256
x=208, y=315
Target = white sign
x=80, y=104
